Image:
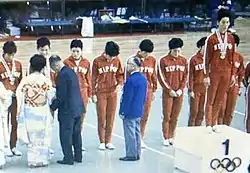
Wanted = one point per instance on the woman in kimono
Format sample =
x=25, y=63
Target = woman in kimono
x=33, y=95
x=5, y=102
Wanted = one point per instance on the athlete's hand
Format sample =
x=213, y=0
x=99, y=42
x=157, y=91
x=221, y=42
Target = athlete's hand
x=179, y=92
x=207, y=82
x=94, y=98
x=172, y=93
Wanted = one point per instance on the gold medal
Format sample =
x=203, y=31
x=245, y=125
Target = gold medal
x=222, y=55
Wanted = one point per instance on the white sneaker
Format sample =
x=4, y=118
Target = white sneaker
x=209, y=129
x=8, y=152
x=216, y=129
x=166, y=142
x=16, y=152
x=51, y=151
x=171, y=141
x=110, y=146
x=102, y=146
x=143, y=145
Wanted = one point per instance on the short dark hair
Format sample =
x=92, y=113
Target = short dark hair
x=112, y=49
x=223, y=13
x=42, y=41
x=9, y=47
x=175, y=43
x=37, y=62
x=54, y=59
x=146, y=45
x=76, y=43
x=236, y=39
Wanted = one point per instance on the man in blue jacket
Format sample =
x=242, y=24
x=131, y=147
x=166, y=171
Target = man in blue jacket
x=70, y=108
x=131, y=109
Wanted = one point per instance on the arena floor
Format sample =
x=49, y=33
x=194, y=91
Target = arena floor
x=156, y=158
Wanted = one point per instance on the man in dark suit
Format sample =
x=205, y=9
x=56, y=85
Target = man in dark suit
x=70, y=108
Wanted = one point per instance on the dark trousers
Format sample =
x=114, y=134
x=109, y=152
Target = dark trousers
x=132, y=136
x=70, y=135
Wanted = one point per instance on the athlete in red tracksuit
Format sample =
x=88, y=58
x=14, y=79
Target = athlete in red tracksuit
x=148, y=68
x=227, y=109
x=82, y=68
x=219, y=69
x=196, y=88
x=172, y=75
x=107, y=79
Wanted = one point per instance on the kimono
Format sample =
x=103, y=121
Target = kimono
x=5, y=102
x=34, y=94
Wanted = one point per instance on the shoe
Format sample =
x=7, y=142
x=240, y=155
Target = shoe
x=78, y=160
x=51, y=151
x=8, y=152
x=166, y=142
x=138, y=157
x=128, y=158
x=110, y=146
x=143, y=145
x=102, y=146
x=83, y=148
x=171, y=141
x=16, y=152
x=63, y=162
x=209, y=129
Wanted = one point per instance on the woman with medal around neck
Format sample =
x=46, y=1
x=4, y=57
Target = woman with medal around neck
x=219, y=68
x=10, y=76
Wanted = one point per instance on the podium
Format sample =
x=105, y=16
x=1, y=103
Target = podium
x=195, y=148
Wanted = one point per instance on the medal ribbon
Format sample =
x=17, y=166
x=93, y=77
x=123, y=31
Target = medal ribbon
x=12, y=72
x=223, y=45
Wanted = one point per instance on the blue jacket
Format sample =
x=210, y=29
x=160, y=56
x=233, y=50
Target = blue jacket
x=68, y=96
x=134, y=96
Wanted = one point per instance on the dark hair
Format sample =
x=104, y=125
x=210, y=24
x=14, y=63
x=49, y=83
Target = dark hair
x=53, y=60
x=147, y=46
x=37, y=62
x=9, y=47
x=43, y=41
x=236, y=39
x=76, y=43
x=112, y=49
x=175, y=43
x=223, y=13
x=201, y=42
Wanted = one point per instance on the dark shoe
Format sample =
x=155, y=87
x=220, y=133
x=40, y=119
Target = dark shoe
x=65, y=162
x=78, y=160
x=128, y=159
x=138, y=157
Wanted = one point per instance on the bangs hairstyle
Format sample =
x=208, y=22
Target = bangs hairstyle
x=223, y=13
x=175, y=43
x=43, y=41
x=112, y=49
x=236, y=39
x=76, y=43
x=201, y=42
x=146, y=45
x=9, y=47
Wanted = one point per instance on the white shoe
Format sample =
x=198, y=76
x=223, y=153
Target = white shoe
x=51, y=151
x=171, y=141
x=143, y=145
x=209, y=129
x=166, y=142
x=8, y=152
x=110, y=146
x=216, y=129
x=16, y=152
x=102, y=146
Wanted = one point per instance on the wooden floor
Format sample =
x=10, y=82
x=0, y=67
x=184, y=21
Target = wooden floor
x=155, y=158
